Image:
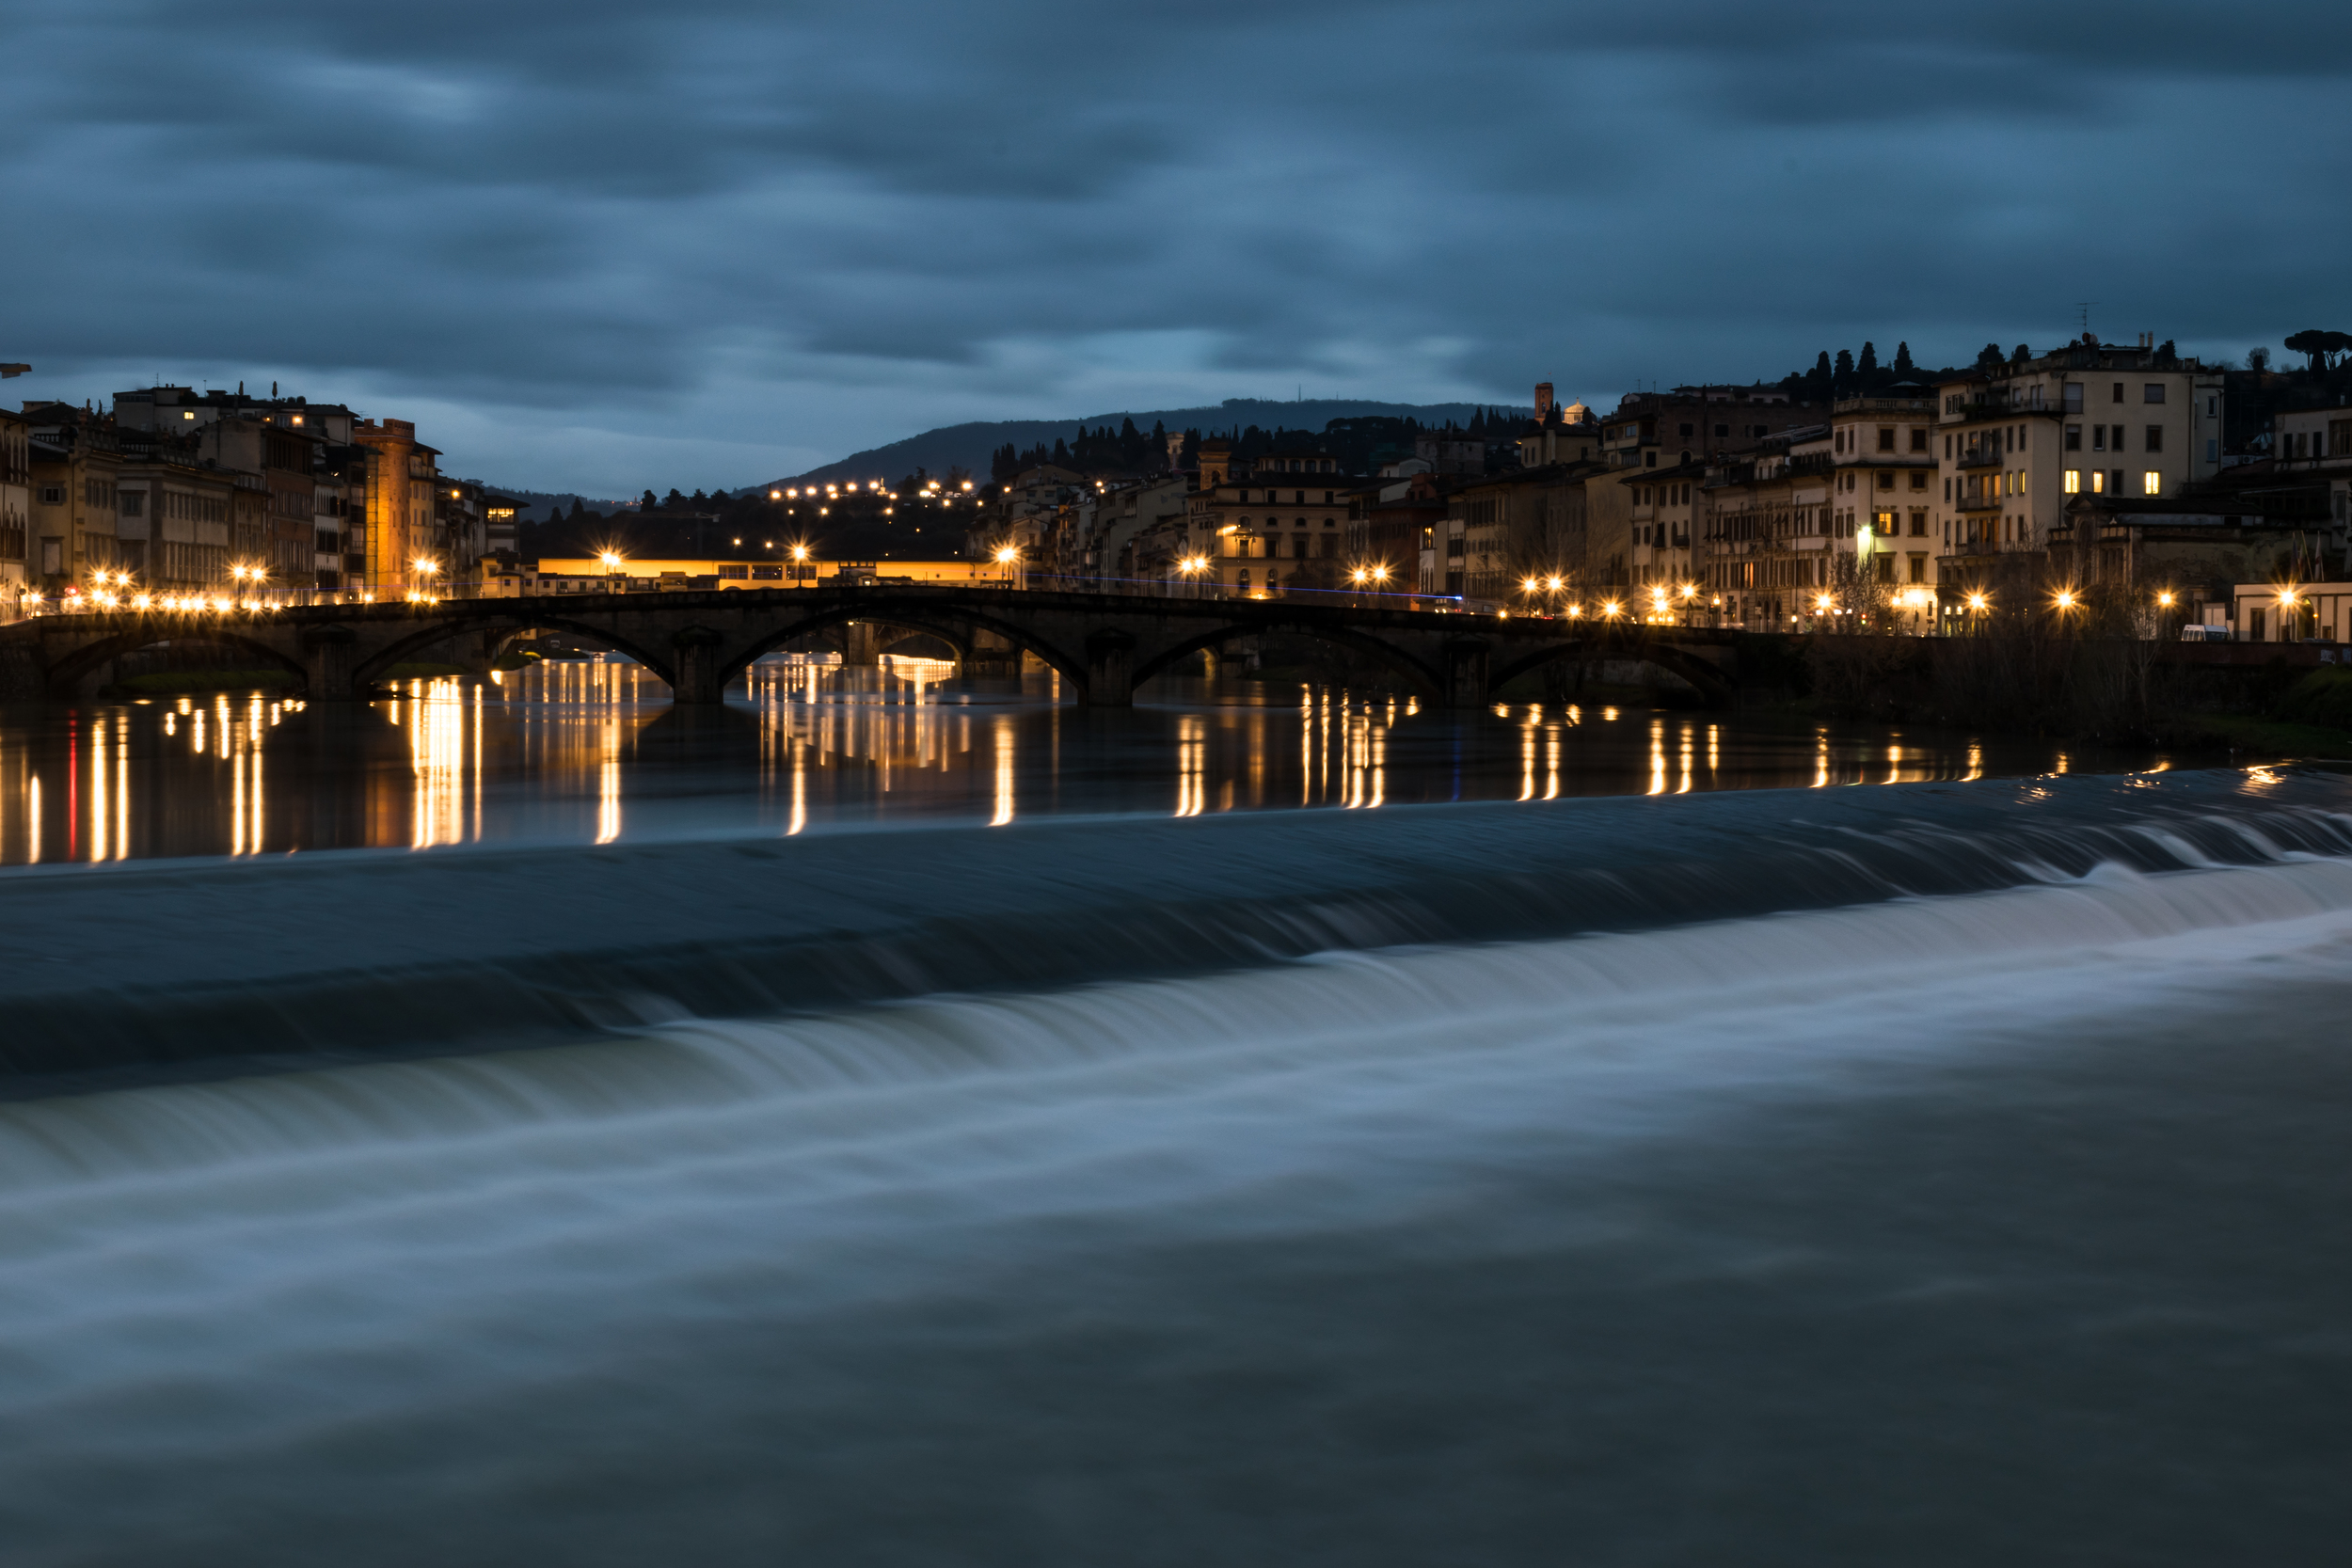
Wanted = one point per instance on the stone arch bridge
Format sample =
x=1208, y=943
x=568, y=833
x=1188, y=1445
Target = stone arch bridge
x=1103, y=644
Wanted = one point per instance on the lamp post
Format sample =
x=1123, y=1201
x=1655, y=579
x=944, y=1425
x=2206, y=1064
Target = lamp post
x=1009, y=557
x=424, y=567
x=612, y=570
x=800, y=559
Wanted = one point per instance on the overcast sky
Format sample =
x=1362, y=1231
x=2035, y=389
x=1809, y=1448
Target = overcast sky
x=606, y=245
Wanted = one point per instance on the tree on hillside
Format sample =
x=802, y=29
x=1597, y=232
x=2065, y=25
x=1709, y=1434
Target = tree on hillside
x=1865, y=371
x=2258, y=359
x=1989, y=357
x=648, y=503
x=2319, y=344
x=1904, y=368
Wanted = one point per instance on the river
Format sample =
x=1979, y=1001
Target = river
x=895, y=1122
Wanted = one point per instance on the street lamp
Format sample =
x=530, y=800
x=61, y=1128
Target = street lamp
x=1192, y=566
x=799, y=559
x=611, y=568
x=1009, y=557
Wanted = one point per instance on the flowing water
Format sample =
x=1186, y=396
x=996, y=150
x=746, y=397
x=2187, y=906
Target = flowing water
x=1950, y=1172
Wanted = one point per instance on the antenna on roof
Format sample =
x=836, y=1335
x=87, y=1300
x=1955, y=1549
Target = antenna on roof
x=2082, y=312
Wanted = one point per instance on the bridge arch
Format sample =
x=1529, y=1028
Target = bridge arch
x=953, y=628
x=1425, y=681
x=372, y=667
x=64, y=677
x=1705, y=675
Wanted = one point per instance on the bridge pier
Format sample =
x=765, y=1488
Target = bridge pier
x=21, y=677
x=992, y=655
x=1468, y=666
x=694, y=675
x=1110, y=669
x=861, y=644
x=329, y=658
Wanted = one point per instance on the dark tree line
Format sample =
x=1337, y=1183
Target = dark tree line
x=1848, y=375
x=1099, y=451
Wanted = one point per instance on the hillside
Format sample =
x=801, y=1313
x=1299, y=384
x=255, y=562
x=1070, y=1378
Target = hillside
x=968, y=445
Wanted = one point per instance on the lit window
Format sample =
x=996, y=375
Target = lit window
x=2098, y=480
x=2152, y=483
x=2073, y=481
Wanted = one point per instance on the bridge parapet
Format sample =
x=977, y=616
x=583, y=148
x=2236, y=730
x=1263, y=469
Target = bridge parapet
x=1102, y=645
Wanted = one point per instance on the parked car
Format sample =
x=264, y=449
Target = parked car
x=2195, y=633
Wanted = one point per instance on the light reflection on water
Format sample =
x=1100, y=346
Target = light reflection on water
x=591, y=751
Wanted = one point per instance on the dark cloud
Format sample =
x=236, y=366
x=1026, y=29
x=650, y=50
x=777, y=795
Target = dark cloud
x=603, y=234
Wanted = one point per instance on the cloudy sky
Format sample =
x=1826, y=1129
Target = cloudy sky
x=606, y=245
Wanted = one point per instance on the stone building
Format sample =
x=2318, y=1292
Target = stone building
x=2019, y=442
x=16, y=507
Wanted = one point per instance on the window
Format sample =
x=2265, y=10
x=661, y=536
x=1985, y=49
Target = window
x=1948, y=490
x=1918, y=523
x=2074, y=397
x=2155, y=437
x=2074, y=437
x=1887, y=437
x=1650, y=459
x=2213, y=408
x=2119, y=392
x=2098, y=438
x=2115, y=482
x=2155, y=392
x=1947, y=447
x=1918, y=437
x=133, y=503
x=2098, y=481
x=2152, y=483
x=1298, y=497
x=2073, y=481
x=53, y=495
x=1918, y=569
x=2213, y=449
x=1689, y=430
x=1918, y=479
x=1886, y=480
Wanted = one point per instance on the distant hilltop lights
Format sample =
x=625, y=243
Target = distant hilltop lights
x=836, y=492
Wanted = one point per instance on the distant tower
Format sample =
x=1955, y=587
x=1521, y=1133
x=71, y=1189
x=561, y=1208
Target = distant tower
x=1542, y=402
x=1175, y=450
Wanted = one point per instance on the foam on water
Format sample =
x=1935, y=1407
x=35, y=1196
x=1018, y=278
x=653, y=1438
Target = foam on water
x=402, y=1309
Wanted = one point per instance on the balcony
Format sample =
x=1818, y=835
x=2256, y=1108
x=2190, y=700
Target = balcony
x=1981, y=503
x=1980, y=457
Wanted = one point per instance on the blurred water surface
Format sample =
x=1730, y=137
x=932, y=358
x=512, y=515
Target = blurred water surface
x=591, y=751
